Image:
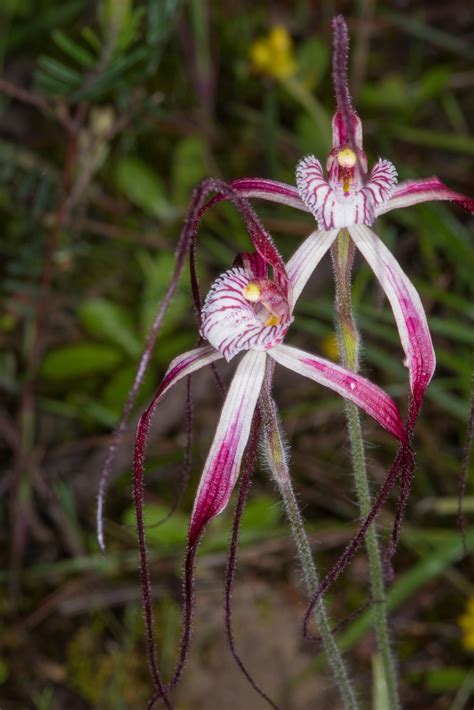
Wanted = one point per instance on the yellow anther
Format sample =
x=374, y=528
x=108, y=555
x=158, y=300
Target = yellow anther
x=252, y=292
x=346, y=158
x=273, y=320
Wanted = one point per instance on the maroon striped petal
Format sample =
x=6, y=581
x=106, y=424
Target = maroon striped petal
x=315, y=191
x=383, y=178
x=407, y=309
x=373, y=400
x=223, y=462
x=412, y=192
x=307, y=257
x=332, y=205
x=231, y=323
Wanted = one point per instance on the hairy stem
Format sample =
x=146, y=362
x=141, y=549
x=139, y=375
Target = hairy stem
x=348, y=341
x=275, y=454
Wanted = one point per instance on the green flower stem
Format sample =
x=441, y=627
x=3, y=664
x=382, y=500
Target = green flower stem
x=349, y=351
x=276, y=458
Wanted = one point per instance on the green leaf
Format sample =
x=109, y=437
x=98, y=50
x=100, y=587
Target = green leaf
x=445, y=680
x=143, y=187
x=61, y=72
x=73, y=49
x=110, y=322
x=78, y=360
x=389, y=93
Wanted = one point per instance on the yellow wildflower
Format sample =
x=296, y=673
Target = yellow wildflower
x=273, y=55
x=466, y=622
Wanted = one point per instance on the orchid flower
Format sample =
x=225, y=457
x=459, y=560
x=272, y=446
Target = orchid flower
x=351, y=197
x=248, y=311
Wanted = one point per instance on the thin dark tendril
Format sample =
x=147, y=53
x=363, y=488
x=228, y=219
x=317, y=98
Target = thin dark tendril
x=145, y=576
x=188, y=609
x=341, y=625
x=465, y=469
x=403, y=458
x=245, y=482
x=196, y=291
x=407, y=474
x=186, y=467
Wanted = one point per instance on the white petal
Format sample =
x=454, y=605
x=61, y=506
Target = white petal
x=225, y=456
x=307, y=257
x=406, y=305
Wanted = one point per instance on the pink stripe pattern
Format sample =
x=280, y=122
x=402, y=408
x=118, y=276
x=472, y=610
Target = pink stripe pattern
x=370, y=398
x=232, y=324
x=414, y=192
x=407, y=308
x=335, y=205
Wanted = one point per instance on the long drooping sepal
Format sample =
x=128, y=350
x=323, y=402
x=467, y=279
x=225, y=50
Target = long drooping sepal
x=307, y=257
x=370, y=398
x=407, y=309
x=413, y=192
x=180, y=367
x=223, y=462
x=263, y=189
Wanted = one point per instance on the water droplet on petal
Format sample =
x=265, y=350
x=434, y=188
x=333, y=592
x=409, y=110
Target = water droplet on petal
x=352, y=386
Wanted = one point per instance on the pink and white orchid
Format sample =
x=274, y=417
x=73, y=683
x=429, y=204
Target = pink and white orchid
x=351, y=197
x=248, y=311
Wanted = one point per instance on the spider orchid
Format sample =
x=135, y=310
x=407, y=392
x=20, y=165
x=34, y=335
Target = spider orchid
x=351, y=198
x=247, y=310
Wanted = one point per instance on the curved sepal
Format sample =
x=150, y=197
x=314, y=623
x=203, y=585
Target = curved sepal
x=370, y=398
x=263, y=189
x=407, y=308
x=413, y=192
